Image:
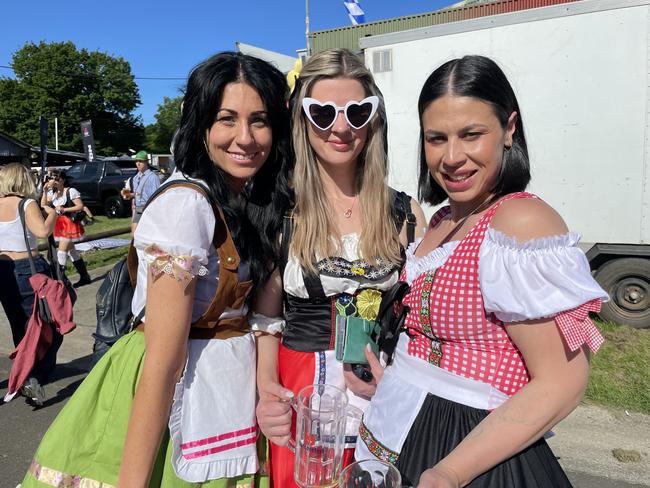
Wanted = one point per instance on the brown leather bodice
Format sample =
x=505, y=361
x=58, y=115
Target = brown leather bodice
x=231, y=293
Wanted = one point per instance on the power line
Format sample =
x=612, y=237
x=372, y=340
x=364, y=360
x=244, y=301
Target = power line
x=161, y=78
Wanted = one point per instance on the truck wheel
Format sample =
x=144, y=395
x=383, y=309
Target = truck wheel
x=627, y=281
x=114, y=207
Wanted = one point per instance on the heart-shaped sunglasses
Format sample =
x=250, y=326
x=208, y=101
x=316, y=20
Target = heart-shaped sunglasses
x=323, y=114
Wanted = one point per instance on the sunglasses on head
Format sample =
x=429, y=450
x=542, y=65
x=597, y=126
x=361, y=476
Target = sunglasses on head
x=323, y=114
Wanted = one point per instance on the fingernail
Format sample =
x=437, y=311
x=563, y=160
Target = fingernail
x=288, y=393
x=368, y=348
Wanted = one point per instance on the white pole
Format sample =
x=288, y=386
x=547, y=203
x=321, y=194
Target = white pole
x=307, y=27
x=56, y=133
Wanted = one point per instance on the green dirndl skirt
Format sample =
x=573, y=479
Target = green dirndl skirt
x=83, y=446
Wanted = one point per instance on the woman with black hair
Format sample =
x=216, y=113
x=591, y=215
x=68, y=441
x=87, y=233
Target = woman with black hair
x=496, y=349
x=203, y=247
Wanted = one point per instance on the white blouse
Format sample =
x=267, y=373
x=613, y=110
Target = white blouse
x=174, y=236
x=294, y=283
x=59, y=200
x=522, y=280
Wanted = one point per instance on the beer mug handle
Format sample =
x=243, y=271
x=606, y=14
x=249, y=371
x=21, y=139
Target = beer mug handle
x=291, y=445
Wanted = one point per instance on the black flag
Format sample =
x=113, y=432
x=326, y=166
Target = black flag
x=88, y=140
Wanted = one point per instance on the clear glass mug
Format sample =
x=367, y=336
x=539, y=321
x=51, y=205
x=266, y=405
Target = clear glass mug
x=322, y=413
x=370, y=473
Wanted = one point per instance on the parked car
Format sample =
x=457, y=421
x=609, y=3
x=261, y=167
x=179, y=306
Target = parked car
x=100, y=182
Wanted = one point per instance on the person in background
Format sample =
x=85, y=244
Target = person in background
x=16, y=293
x=142, y=185
x=498, y=335
x=68, y=229
x=345, y=247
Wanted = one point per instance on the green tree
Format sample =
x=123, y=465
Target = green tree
x=58, y=80
x=159, y=135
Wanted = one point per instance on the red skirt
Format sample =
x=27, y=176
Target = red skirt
x=296, y=370
x=65, y=228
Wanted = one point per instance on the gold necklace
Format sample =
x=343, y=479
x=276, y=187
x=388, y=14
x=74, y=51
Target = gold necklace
x=347, y=211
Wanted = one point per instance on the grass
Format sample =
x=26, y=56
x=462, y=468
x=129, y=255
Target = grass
x=103, y=257
x=620, y=371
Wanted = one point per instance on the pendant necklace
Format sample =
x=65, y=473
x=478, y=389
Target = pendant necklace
x=348, y=212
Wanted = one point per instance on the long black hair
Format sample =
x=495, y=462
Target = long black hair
x=254, y=221
x=481, y=78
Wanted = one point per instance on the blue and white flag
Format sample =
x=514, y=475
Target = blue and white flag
x=354, y=12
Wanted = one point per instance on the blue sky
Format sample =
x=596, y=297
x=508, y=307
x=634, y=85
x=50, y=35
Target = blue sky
x=165, y=39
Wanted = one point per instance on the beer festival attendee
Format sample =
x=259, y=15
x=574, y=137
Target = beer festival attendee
x=343, y=243
x=69, y=228
x=498, y=335
x=140, y=187
x=202, y=252
x=16, y=292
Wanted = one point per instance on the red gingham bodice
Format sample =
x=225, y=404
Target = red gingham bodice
x=447, y=321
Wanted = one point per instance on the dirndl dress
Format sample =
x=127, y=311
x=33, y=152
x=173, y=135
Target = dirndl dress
x=83, y=446
x=456, y=363
x=213, y=438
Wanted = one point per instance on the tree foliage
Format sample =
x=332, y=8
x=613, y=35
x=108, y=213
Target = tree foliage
x=58, y=80
x=160, y=134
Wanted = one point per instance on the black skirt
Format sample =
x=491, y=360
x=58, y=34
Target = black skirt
x=442, y=424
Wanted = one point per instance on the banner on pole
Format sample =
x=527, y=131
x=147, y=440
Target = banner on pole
x=88, y=139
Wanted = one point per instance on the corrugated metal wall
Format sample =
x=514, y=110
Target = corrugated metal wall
x=348, y=37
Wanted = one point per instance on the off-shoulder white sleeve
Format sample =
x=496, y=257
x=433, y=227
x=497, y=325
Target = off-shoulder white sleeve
x=74, y=194
x=534, y=279
x=175, y=234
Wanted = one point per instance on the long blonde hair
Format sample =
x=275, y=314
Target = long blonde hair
x=15, y=179
x=313, y=225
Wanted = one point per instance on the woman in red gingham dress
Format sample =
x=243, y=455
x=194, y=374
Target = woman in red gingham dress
x=497, y=337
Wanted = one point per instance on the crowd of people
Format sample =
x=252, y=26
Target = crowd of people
x=277, y=239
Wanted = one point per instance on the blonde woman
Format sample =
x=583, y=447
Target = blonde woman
x=16, y=293
x=344, y=243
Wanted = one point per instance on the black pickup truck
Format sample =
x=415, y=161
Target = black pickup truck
x=100, y=182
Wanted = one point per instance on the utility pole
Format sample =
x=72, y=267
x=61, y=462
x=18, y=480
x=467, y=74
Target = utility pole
x=307, y=27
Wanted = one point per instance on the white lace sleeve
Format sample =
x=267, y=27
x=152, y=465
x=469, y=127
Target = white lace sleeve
x=534, y=279
x=175, y=234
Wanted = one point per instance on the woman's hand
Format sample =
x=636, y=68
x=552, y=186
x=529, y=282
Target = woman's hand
x=359, y=387
x=274, y=412
x=60, y=209
x=439, y=477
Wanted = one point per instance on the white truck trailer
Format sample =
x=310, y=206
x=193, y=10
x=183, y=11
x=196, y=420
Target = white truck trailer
x=581, y=72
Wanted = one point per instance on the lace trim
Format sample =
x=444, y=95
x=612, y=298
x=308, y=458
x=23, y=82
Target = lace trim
x=59, y=479
x=183, y=268
x=340, y=267
x=375, y=447
x=578, y=329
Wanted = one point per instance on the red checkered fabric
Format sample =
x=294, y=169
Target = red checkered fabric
x=449, y=327
x=578, y=329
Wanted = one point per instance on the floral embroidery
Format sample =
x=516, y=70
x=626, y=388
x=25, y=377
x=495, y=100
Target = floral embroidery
x=58, y=479
x=435, y=355
x=340, y=267
x=375, y=447
x=368, y=302
x=182, y=268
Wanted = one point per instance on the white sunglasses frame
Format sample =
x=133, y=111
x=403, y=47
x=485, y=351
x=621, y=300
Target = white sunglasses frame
x=308, y=102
